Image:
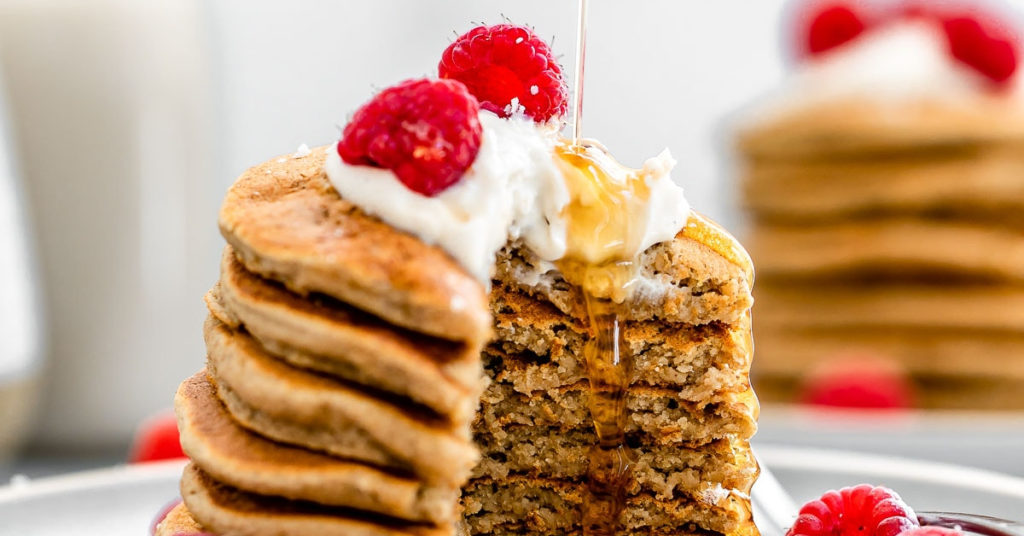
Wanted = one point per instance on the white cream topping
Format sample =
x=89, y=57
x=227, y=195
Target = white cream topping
x=667, y=208
x=898, y=62
x=513, y=191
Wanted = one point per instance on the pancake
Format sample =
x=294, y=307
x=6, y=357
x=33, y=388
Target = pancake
x=244, y=460
x=287, y=223
x=277, y=401
x=890, y=246
x=178, y=522
x=329, y=336
x=979, y=183
x=228, y=511
x=554, y=507
x=664, y=470
x=654, y=411
x=938, y=307
x=866, y=126
x=344, y=359
x=699, y=277
x=929, y=392
x=537, y=347
x=934, y=352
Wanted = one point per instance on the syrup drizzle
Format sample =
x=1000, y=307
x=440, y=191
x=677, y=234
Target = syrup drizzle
x=581, y=57
x=599, y=225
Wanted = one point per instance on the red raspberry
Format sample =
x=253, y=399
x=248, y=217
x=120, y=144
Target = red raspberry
x=858, y=381
x=933, y=531
x=861, y=510
x=425, y=131
x=981, y=43
x=504, y=62
x=831, y=25
x=157, y=439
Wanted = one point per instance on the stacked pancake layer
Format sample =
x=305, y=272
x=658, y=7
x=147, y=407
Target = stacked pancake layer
x=346, y=363
x=689, y=409
x=332, y=403
x=891, y=231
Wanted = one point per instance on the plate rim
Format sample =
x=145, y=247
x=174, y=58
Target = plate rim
x=22, y=488
x=790, y=457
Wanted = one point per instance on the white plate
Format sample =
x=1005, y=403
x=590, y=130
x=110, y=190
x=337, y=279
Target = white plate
x=927, y=486
x=123, y=500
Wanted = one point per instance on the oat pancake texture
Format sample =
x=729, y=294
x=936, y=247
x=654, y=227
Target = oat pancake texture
x=278, y=401
x=237, y=457
x=286, y=222
x=984, y=308
x=177, y=522
x=868, y=126
x=326, y=335
x=228, y=511
x=976, y=183
x=920, y=351
x=886, y=246
x=542, y=506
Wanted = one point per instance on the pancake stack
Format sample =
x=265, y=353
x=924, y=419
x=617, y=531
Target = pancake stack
x=343, y=371
x=346, y=362
x=689, y=410
x=894, y=233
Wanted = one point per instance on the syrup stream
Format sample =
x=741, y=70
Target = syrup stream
x=581, y=57
x=609, y=363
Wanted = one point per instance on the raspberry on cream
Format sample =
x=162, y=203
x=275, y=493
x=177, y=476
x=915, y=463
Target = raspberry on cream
x=514, y=190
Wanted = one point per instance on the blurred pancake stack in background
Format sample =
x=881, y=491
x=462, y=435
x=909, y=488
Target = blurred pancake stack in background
x=885, y=182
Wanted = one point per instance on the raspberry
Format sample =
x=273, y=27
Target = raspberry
x=933, y=531
x=831, y=25
x=505, y=62
x=425, y=131
x=157, y=439
x=858, y=381
x=861, y=510
x=979, y=42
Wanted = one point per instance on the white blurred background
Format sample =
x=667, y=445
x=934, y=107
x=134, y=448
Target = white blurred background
x=128, y=119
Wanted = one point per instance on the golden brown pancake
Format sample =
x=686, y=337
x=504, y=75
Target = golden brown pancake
x=280, y=401
x=869, y=126
x=937, y=307
x=228, y=511
x=699, y=277
x=329, y=336
x=655, y=412
x=538, y=348
x=286, y=222
x=179, y=522
x=979, y=183
x=543, y=506
x=664, y=470
x=920, y=351
x=237, y=457
x=890, y=246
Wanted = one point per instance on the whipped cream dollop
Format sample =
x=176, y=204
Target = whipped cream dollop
x=514, y=190
x=898, y=62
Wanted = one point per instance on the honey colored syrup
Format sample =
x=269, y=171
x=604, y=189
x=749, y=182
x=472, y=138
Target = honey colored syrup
x=606, y=198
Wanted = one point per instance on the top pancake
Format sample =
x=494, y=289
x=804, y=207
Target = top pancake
x=288, y=223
